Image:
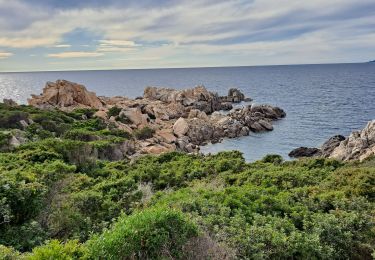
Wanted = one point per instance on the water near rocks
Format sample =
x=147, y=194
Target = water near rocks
x=320, y=100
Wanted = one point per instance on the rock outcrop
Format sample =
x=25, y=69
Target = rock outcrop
x=359, y=145
x=180, y=119
x=305, y=152
x=65, y=95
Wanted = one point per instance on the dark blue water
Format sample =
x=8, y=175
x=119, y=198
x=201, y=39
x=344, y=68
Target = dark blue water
x=320, y=100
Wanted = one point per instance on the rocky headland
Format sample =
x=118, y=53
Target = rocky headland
x=359, y=145
x=171, y=119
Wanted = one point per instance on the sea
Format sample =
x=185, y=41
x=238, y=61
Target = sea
x=320, y=100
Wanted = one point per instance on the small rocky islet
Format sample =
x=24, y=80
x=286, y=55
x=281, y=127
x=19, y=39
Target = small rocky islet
x=179, y=120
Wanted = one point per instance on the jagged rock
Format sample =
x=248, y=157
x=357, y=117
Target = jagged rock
x=195, y=113
x=328, y=147
x=195, y=109
x=304, y=152
x=167, y=136
x=135, y=116
x=235, y=95
x=358, y=146
x=199, y=98
x=180, y=127
x=65, y=95
x=184, y=144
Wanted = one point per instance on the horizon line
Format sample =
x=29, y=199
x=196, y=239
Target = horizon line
x=197, y=67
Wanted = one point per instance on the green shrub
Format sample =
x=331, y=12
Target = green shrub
x=94, y=124
x=116, y=132
x=57, y=251
x=273, y=158
x=80, y=113
x=144, y=133
x=114, y=111
x=81, y=135
x=11, y=119
x=4, y=140
x=8, y=253
x=123, y=119
x=149, y=234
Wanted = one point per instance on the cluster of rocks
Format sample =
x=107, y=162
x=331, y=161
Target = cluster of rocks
x=359, y=145
x=65, y=95
x=181, y=119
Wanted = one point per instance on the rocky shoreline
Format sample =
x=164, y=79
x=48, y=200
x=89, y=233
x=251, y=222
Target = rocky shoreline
x=179, y=120
x=359, y=145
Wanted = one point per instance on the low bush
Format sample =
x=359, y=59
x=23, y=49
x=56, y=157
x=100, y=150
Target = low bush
x=114, y=111
x=144, y=133
x=57, y=251
x=150, y=234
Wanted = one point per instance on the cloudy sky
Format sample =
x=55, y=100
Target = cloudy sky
x=112, y=34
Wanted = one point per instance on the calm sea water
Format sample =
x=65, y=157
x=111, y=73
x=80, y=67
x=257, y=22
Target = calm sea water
x=320, y=100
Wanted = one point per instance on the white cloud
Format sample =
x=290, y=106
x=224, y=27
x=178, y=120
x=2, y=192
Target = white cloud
x=75, y=54
x=202, y=32
x=4, y=55
x=118, y=43
x=62, y=46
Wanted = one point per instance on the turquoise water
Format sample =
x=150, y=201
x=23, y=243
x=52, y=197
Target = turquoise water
x=320, y=100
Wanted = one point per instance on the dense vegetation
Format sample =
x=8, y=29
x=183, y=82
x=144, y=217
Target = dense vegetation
x=59, y=201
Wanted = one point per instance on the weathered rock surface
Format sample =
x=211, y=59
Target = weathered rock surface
x=304, y=152
x=359, y=145
x=180, y=127
x=182, y=119
x=65, y=95
x=330, y=145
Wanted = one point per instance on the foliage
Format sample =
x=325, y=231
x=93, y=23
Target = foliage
x=144, y=133
x=58, y=251
x=54, y=188
x=8, y=253
x=149, y=234
x=114, y=111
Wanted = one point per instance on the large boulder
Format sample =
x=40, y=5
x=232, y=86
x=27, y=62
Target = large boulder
x=166, y=135
x=358, y=146
x=180, y=127
x=134, y=114
x=65, y=95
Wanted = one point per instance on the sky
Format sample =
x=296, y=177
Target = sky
x=40, y=35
